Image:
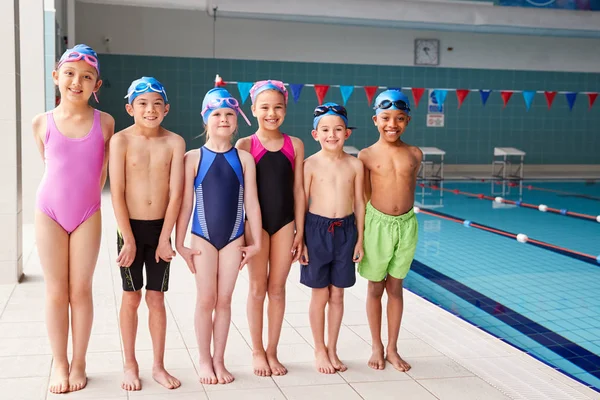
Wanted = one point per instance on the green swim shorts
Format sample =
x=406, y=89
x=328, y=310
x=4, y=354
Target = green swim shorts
x=389, y=244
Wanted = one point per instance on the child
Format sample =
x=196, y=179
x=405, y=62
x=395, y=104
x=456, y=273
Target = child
x=73, y=141
x=278, y=160
x=223, y=180
x=333, y=183
x=146, y=178
x=391, y=229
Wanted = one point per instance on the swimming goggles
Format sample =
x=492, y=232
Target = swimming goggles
x=278, y=85
x=399, y=104
x=340, y=110
x=143, y=87
x=230, y=102
x=76, y=56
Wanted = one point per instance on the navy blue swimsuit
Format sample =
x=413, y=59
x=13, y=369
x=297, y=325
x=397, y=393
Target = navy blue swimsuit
x=219, y=188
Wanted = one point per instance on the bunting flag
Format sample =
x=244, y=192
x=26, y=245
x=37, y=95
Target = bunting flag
x=484, y=95
x=549, y=98
x=296, y=89
x=219, y=82
x=346, y=92
x=591, y=99
x=506, y=95
x=417, y=94
x=440, y=95
x=461, y=95
x=370, y=92
x=528, y=96
x=571, y=96
x=244, y=89
x=321, y=92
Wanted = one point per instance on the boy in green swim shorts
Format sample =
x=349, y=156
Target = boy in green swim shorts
x=391, y=229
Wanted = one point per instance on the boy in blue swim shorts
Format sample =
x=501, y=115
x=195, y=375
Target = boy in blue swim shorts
x=333, y=230
x=391, y=229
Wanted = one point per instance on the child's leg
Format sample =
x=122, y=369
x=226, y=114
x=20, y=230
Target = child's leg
x=257, y=274
x=206, y=299
x=395, y=307
x=316, y=313
x=229, y=267
x=335, y=312
x=128, y=320
x=157, y=323
x=374, y=294
x=53, y=248
x=84, y=245
x=280, y=262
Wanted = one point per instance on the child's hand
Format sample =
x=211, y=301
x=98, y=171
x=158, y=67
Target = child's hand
x=358, y=253
x=188, y=255
x=164, y=251
x=304, y=257
x=297, y=247
x=126, y=255
x=247, y=253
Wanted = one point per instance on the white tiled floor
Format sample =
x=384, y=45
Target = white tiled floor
x=451, y=359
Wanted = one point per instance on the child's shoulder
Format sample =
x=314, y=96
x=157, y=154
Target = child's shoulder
x=414, y=150
x=355, y=162
x=244, y=143
x=172, y=137
x=296, y=141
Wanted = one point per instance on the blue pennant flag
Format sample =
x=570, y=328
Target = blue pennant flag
x=571, y=96
x=528, y=96
x=440, y=95
x=484, y=95
x=296, y=89
x=244, y=89
x=346, y=92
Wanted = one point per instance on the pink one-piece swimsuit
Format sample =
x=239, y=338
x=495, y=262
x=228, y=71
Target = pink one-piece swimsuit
x=70, y=192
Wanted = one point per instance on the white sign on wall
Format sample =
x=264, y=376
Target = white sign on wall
x=435, y=112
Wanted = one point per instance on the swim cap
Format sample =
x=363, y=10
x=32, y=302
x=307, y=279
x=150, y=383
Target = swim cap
x=217, y=98
x=146, y=84
x=392, y=100
x=330, y=109
x=261, y=86
x=80, y=52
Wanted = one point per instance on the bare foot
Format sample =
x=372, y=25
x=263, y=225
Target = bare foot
x=335, y=361
x=260, y=364
x=207, y=373
x=276, y=367
x=160, y=375
x=394, y=358
x=131, y=378
x=377, y=361
x=59, y=380
x=322, y=362
x=223, y=376
x=77, y=377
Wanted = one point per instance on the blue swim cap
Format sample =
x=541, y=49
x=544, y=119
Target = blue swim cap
x=392, y=100
x=146, y=84
x=270, y=84
x=330, y=109
x=80, y=52
x=217, y=98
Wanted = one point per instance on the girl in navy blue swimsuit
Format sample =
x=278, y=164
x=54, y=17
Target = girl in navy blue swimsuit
x=220, y=187
x=279, y=179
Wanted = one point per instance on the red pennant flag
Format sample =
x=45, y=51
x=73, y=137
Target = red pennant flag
x=506, y=95
x=461, y=95
x=417, y=94
x=592, y=98
x=370, y=91
x=321, y=91
x=549, y=98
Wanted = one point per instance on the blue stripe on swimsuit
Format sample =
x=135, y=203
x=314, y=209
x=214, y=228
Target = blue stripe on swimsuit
x=219, y=188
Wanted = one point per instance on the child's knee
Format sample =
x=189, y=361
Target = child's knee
x=258, y=291
x=277, y=292
x=223, y=303
x=57, y=296
x=336, y=296
x=132, y=299
x=376, y=289
x=80, y=294
x=155, y=299
x=207, y=302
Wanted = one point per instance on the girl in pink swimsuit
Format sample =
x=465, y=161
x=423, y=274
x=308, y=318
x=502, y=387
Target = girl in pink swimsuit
x=72, y=140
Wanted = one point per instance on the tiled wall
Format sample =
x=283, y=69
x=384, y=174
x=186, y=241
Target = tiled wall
x=555, y=136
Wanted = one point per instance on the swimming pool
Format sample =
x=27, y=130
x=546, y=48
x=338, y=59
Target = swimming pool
x=544, y=302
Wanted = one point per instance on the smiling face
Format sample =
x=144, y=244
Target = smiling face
x=76, y=81
x=222, y=123
x=391, y=124
x=331, y=133
x=269, y=110
x=148, y=110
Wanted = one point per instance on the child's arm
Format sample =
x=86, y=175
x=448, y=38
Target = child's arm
x=359, y=209
x=108, y=130
x=164, y=249
x=190, y=161
x=307, y=183
x=116, y=167
x=299, y=199
x=38, y=125
x=367, y=176
x=252, y=207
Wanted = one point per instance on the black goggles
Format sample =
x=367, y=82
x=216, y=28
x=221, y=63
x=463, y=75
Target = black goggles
x=340, y=110
x=399, y=104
